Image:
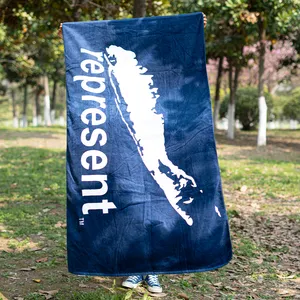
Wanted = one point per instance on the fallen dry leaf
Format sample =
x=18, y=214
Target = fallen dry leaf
x=60, y=224
x=287, y=292
x=230, y=288
x=13, y=278
x=218, y=284
x=183, y=296
x=48, y=294
x=53, y=292
x=161, y=295
x=286, y=277
x=100, y=279
x=43, y=259
x=258, y=261
x=35, y=249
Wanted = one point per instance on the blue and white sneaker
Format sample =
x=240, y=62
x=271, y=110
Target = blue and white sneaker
x=153, y=284
x=132, y=281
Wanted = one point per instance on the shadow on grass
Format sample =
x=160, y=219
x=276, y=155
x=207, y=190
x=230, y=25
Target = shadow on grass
x=281, y=139
x=32, y=199
x=32, y=189
x=31, y=132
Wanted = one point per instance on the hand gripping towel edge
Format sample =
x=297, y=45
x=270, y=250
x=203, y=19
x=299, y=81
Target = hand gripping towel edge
x=144, y=191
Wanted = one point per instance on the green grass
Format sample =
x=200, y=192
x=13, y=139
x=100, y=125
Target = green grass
x=33, y=200
x=32, y=187
x=5, y=131
x=270, y=178
x=99, y=295
x=246, y=248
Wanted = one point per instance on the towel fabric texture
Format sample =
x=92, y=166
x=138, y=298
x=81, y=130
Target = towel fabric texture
x=144, y=191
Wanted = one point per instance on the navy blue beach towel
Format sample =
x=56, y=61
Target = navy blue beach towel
x=144, y=191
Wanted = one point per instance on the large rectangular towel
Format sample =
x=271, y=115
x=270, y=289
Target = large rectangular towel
x=143, y=183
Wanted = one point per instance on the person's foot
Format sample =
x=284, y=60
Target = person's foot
x=153, y=284
x=132, y=281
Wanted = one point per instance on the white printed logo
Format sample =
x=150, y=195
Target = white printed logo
x=146, y=126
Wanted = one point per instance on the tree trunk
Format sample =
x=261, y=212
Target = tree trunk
x=139, y=8
x=217, y=95
x=14, y=107
x=250, y=77
x=34, y=115
x=38, y=106
x=53, y=102
x=231, y=105
x=236, y=81
x=36, y=121
x=150, y=8
x=76, y=14
x=47, y=118
x=233, y=85
x=262, y=125
x=231, y=120
x=25, y=100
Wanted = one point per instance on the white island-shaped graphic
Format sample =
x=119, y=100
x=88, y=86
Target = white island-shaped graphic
x=136, y=100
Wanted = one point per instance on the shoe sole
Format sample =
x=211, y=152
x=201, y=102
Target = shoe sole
x=130, y=285
x=154, y=289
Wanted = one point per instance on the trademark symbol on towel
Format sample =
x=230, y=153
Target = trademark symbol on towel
x=81, y=221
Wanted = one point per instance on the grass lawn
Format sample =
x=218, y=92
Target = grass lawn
x=262, y=193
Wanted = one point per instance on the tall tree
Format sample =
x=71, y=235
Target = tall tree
x=47, y=113
x=215, y=49
x=236, y=61
x=37, y=117
x=275, y=20
x=228, y=38
x=139, y=8
x=53, y=101
x=30, y=47
x=262, y=105
x=25, y=102
x=14, y=108
x=217, y=92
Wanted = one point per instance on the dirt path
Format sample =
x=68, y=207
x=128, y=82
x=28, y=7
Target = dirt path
x=40, y=139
